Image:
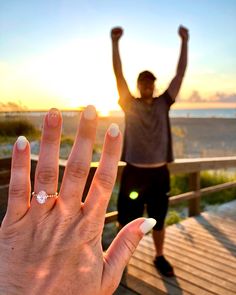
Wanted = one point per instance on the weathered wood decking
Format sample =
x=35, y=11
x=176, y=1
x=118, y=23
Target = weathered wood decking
x=203, y=252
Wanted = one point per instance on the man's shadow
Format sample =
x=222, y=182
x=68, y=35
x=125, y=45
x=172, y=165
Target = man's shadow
x=172, y=285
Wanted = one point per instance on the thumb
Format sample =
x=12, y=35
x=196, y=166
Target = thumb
x=123, y=246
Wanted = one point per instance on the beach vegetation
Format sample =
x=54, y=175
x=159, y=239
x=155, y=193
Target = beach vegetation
x=16, y=127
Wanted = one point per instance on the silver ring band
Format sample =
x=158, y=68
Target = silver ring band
x=42, y=196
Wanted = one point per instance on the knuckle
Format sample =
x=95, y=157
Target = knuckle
x=51, y=139
x=105, y=180
x=16, y=165
x=129, y=244
x=77, y=171
x=47, y=175
x=17, y=191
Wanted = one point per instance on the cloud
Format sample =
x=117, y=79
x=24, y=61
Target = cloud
x=196, y=97
x=225, y=97
x=12, y=106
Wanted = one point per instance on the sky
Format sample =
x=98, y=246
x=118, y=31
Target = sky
x=57, y=53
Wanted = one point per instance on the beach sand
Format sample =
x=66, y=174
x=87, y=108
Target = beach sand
x=192, y=137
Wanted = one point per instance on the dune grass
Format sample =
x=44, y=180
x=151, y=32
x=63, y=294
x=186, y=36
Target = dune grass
x=14, y=128
x=179, y=184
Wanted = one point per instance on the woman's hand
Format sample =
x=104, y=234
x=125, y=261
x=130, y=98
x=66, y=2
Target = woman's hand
x=55, y=247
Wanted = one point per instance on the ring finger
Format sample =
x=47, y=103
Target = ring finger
x=46, y=175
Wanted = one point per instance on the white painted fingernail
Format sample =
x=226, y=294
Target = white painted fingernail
x=113, y=130
x=147, y=225
x=90, y=112
x=21, y=143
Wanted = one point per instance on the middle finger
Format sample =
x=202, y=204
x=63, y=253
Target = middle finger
x=78, y=164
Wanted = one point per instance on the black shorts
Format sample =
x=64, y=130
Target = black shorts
x=142, y=187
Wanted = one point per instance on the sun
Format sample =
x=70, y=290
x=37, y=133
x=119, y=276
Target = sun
x=103, y=113
x=75, y=76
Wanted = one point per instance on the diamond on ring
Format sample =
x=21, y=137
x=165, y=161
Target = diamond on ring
x=42, y=196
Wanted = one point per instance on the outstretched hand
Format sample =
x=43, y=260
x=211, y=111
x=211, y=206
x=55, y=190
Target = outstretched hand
x=183, y=33
x=55, y=247
x=116, y=33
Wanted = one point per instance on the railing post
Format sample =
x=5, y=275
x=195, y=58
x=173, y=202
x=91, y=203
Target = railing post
x=194, y=185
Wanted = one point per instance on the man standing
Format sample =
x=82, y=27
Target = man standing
x=147, y=146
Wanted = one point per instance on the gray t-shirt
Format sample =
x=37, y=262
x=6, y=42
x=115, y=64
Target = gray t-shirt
x=147, y=138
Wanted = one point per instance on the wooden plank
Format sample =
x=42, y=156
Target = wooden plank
x=3, y=200
x=219, y=281
x=122, y=290
x=147, y=283
x=223, y=234
x=182, y=197
x=201, y=192
x=218, y=187
x=213, y=217
x=214, y=226
x=185, y=260
x=170, y=285
x=199, y=164
x=211, y=278
x=224, y=252
x=187, y=274
x=5, y=163
x=202, y=256
x=227, y=256
x=194, y=234
x=140, y=286
x=4, y=177
x=221, y=257
x=111, y=217
x=194, y=255
x=178, y=166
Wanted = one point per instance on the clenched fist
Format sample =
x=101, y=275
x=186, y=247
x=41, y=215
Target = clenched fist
x=116, y=33
x=183, y=33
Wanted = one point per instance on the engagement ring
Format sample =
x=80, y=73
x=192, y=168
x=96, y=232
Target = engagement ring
x=42, y=196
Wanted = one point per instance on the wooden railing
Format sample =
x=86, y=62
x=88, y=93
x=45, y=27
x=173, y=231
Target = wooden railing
x=192, y=167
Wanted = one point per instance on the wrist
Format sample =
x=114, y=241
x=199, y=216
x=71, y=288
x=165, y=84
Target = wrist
x=115, y=41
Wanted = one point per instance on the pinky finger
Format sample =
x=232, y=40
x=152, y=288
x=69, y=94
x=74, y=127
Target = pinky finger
x=19, y=187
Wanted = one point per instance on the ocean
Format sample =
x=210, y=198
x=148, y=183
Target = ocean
x=179, y=113
x=203, y=113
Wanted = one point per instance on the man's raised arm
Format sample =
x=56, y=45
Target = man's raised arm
x=175, y=84
x=122, y=86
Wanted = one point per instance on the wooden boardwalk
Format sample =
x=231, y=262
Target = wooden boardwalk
x=203, y=252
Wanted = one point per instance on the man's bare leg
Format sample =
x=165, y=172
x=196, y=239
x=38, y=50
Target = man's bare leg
x=163, y=266
x=158, y=238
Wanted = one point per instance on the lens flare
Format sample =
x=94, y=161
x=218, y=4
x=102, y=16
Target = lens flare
x=133, y=195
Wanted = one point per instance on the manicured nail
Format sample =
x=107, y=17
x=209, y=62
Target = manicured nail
x=147, y=225
x=21, y=143
x=113, y=130
x=90, y=112
x=53, y=118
